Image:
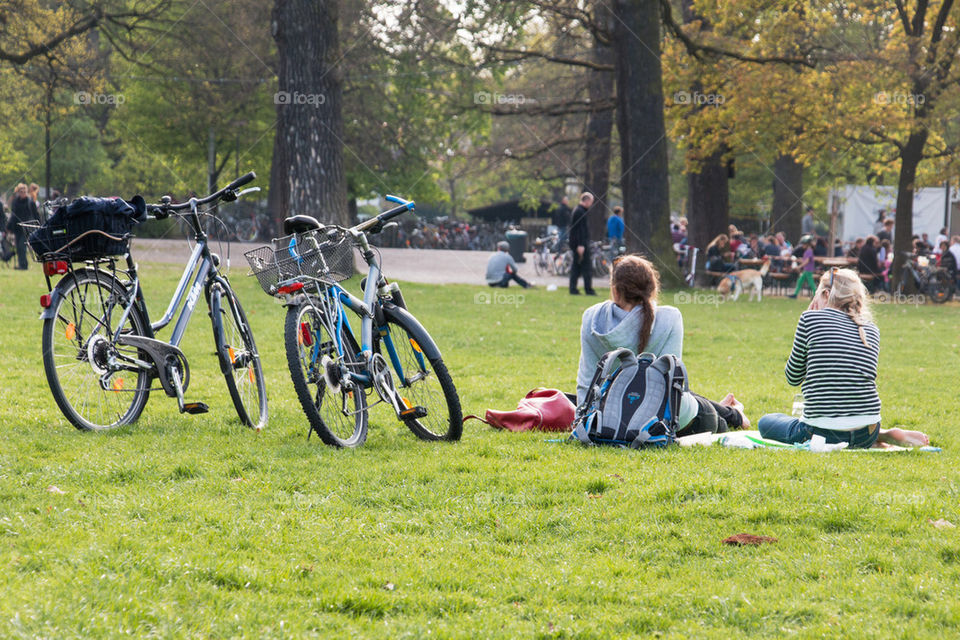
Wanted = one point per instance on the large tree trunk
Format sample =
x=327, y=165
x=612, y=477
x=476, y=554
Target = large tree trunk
x=600, y=126
x=787, y=207
x=640, y=123
x=910, y=158
x=307, y=175
x=708, y=187
x=708, y=205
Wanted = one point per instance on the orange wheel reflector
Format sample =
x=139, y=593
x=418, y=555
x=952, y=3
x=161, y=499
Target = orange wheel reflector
x=406, y=403
x=416, y=347
x=118, y=384
x=71, y=331
x=250, y=374
x=232, y=353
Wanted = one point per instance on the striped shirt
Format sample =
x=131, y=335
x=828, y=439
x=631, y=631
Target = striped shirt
x=837, y=371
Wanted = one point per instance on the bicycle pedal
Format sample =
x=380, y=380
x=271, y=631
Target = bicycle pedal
x=194, y=408
x=413, y=413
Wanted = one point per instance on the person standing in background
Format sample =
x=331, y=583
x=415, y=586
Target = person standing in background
x=562, y=218
x=22, y=209
x=579, y=238
x=806, y=223
x=615, y=229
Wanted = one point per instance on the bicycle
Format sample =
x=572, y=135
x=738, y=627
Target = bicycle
x=543, y=262
x=332, y=372
x=100, y=350
x=935, y=282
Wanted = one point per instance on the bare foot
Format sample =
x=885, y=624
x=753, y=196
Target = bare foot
x=731, y=401
x=905, y=437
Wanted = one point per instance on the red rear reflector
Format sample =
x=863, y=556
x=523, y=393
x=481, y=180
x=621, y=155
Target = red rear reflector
x=305, y=334
x=290, y=288
x=45, y=300
x=55, y=267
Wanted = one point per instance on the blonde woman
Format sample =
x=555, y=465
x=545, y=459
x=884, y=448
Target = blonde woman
x=834, y=356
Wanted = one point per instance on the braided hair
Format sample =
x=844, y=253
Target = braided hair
x=635, y=281
x=847, y=293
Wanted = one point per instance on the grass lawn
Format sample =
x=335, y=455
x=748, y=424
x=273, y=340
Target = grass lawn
x=193, y=526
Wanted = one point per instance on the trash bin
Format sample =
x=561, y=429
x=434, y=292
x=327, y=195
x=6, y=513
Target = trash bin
x=517, y=239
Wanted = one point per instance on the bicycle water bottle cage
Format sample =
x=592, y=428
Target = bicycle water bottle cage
x=300, y=224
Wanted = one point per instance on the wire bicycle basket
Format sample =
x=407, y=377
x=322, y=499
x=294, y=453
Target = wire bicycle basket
x=326, y=256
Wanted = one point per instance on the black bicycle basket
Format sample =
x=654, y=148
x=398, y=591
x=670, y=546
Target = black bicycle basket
x=87, y=228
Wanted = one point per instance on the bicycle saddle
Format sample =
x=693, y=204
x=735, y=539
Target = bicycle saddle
x=300, y=224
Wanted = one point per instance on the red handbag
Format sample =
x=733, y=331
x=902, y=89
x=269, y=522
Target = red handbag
x=540, y=410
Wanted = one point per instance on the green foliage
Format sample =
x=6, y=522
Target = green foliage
x=194, y=526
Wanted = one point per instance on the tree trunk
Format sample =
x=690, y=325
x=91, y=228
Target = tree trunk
x=640, y=123
x=708, y=187
x=307, y=176
x=708, y=205
x=910, y=159
x=599, y=127
x=787, y=197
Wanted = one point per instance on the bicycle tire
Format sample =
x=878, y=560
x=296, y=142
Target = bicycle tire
x=413, y=345
x=239, y=358
x=67, y=347
x=939, y=286
x=326, y=419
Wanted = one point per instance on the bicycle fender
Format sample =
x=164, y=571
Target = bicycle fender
x=402, y=316
x=48, y=313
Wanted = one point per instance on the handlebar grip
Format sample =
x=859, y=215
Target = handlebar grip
x=408, y=204
x=242, y=180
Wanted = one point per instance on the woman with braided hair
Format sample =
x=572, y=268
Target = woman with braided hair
x=834, y=356
x=632, y=319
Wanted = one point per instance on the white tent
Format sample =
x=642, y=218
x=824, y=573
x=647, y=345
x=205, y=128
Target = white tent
x=860, y=206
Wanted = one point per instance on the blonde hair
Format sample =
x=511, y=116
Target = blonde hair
x=847, y=293
x=34, y=191
x=20, y=191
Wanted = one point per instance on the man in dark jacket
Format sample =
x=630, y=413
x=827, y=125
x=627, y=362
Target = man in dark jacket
x=22, y=209
x=867, y=262
x=579, y=239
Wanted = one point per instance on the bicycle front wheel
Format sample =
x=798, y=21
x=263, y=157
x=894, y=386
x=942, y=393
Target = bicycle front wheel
x=335, y=405
x=93, y=379
x=940, y=286
x=422, y=378
x=239, y=359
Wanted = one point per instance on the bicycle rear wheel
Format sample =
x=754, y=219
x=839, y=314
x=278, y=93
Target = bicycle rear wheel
x=940, y=286
x=335, y=406
x=93, y=379
x=421, y=377
x=239, y=359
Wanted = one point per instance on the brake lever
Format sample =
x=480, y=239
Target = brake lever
x=229, y=196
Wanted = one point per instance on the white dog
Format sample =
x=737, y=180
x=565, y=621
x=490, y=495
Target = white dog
x=736, y=282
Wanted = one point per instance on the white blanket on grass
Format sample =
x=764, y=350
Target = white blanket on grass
x=752, y=440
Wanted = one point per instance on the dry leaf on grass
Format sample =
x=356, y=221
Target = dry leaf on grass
x=742, y=539
x=55, y=489
x=942, y=524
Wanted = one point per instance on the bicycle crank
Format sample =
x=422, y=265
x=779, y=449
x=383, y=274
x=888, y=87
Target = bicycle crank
x=383, y=384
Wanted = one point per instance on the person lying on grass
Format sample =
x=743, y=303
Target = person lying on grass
x=834, y=356
x=632, y=319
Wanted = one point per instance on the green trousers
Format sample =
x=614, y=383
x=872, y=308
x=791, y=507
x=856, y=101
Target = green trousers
x=805, y=276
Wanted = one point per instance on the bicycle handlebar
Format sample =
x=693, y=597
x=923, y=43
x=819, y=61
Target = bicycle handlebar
x=377, y=221
x=217, y=195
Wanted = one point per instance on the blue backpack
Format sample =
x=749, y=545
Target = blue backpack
x=632, y=401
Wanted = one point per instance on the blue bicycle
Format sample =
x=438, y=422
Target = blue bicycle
x=332, y=372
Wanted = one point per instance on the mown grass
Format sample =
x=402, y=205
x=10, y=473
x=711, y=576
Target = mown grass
x=194, y=526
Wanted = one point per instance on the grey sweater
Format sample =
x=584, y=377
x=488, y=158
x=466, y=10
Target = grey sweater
x=606, y=327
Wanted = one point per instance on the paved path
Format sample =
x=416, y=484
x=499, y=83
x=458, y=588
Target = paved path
x=431, y=266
